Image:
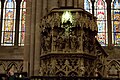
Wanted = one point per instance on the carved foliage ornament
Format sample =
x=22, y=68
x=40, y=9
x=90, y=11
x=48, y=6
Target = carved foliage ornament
x=81, y=19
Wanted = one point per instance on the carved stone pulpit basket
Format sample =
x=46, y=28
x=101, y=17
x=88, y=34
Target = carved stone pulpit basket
x=68, y=43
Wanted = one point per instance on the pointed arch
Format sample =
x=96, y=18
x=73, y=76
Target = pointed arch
x=113, y=62
x=8, y=25
x=86, y=74
x=72, y=73
x=21, y=68
x=88, y=5
x=60, y=73
x=113, y=68
x=2, y=68
x=12, y=67
x=22, y=23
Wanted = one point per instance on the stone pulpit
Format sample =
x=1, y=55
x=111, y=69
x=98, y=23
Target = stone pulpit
x=68, y=44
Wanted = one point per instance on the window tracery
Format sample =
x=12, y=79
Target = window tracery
x=115, y=16
x=22, y=23
x=10, y=26
x=100, y=11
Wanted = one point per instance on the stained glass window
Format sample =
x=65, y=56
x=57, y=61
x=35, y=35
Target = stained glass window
x=88, y=5
x=0, y=11
x=115, y=12
x=22, y=23
x=101, y=13
x=8, y=25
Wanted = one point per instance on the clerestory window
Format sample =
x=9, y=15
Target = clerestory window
x=100, y=11
x=12, y=20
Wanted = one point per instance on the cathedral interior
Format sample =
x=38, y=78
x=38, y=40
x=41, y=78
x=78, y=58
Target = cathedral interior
x=60, y=37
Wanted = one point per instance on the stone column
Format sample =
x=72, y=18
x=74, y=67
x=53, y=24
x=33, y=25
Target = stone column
x=26, y=62
x=37, y=38
x=32, y=37
x=109, y=26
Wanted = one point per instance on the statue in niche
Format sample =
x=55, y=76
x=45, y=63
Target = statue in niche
x=54, y=39
x=41, y=71
x=60, y=41
x=85, y=42
x=54, y=43
x=67, y=44
x=79, y=40
x=91, y=43
x=43, y=43
x=57, y=20
x=49, y=19
x=46, y=40
x=73, y=41
x=76, y=19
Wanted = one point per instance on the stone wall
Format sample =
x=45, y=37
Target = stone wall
x=36, y=9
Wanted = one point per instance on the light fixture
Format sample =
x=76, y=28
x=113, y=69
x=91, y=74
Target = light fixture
x=67, y=17
x=67, y=20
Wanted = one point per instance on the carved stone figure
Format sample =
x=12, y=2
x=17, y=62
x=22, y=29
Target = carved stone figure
x=60, y=43
x=41, y=71
x=48, y=43
x=67, y=45
x=73, y=41
x=46, y=40
x=85, y=42
x=54, y=45
x=57, y=20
